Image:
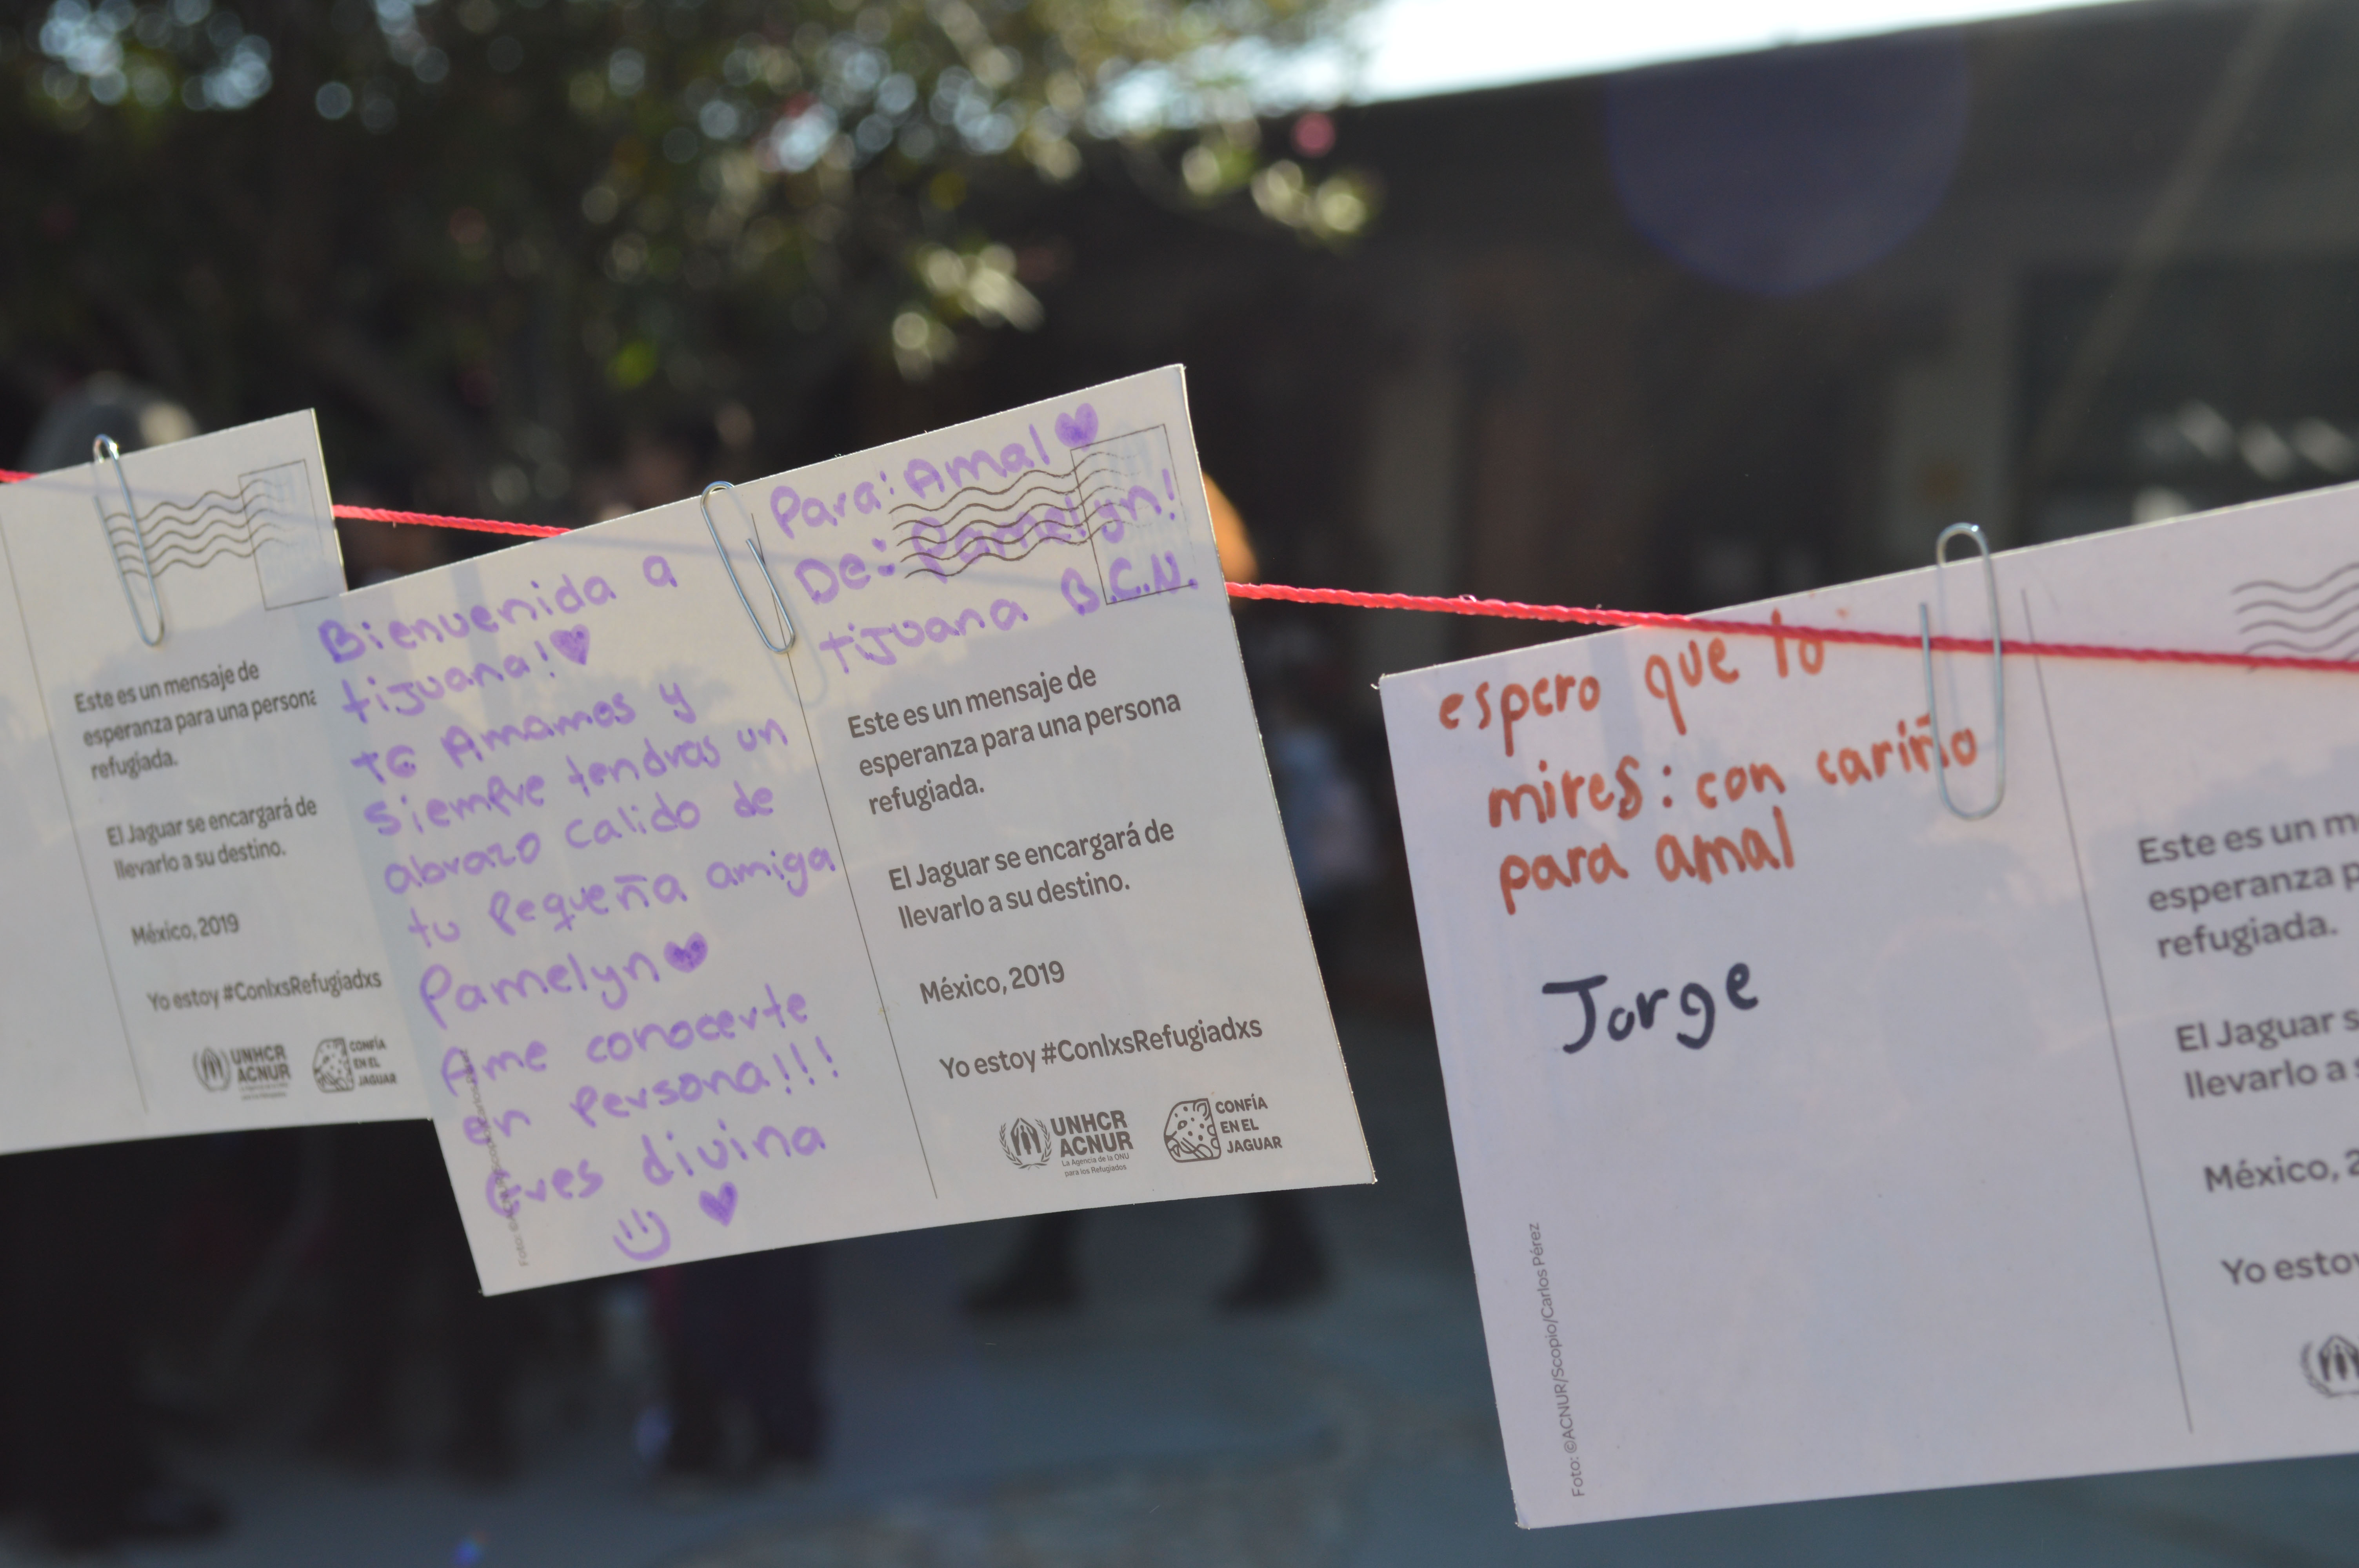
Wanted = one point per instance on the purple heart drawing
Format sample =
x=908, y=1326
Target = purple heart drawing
x=573, y=642
x=686, y=955
x=1077, y=429
x=722, y=1204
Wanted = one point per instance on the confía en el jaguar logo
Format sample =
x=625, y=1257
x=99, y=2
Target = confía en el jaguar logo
x=1191, y=1132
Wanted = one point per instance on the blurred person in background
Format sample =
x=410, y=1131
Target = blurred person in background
x=394, y=1225
x=81, y=1225
x=1329, y=839
x=1329, y=830
x=740, y=1336
x=740, y=1341
x=83, y=1461
x=666, y=462
x=396, y=1242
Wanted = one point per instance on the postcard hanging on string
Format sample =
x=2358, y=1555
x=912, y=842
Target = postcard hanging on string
x=879, y=844
x=188, y=945
x=1866, y=1080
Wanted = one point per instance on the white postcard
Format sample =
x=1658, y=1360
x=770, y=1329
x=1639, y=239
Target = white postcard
x=188, y=947
x=972, y=903
x=1817, y=1139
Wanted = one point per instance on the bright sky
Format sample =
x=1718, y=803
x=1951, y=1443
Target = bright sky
x=1417, y=47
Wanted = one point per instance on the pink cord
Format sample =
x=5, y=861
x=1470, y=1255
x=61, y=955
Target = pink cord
x=1510, y=610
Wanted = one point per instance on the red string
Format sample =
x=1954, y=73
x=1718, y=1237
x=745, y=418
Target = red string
x=383, y=515
x=436, y=520
x=1512, y=610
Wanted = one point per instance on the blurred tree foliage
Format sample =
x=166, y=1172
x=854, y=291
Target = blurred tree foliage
x=487, y=235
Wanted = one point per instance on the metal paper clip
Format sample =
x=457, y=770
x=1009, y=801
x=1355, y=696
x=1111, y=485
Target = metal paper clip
x=752, y=542
x=1998, y=673
x=103, y=450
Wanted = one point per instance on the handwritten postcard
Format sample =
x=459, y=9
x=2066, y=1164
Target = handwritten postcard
x=972, y=903
x=1818, y=1140
x=188, y=945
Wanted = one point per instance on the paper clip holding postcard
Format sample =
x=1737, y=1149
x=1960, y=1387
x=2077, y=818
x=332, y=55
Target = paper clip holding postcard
x=103, y=448
x=962, y=894
x=1824, y=1128
x=1997, y=677
x=187, y=949
x=754, y=543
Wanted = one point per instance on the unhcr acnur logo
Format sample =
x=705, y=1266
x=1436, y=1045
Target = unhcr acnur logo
x=1024, y=1141
x=2332, y=1367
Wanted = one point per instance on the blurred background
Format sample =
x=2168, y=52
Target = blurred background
x=1661, y=307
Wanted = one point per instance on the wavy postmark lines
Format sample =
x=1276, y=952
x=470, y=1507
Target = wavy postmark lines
x=981, y=522
x=2318, y=620
x=1098, y=501
x=266, y=520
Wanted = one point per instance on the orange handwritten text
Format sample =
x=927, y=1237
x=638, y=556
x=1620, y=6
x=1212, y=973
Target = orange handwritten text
x=1545, y=870
x=1811, y=651
x=1712, y=788
x=1562, y=794
x=1693, y=664
x=1914, y=753
x=1703, y=859
x=1545, y=698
